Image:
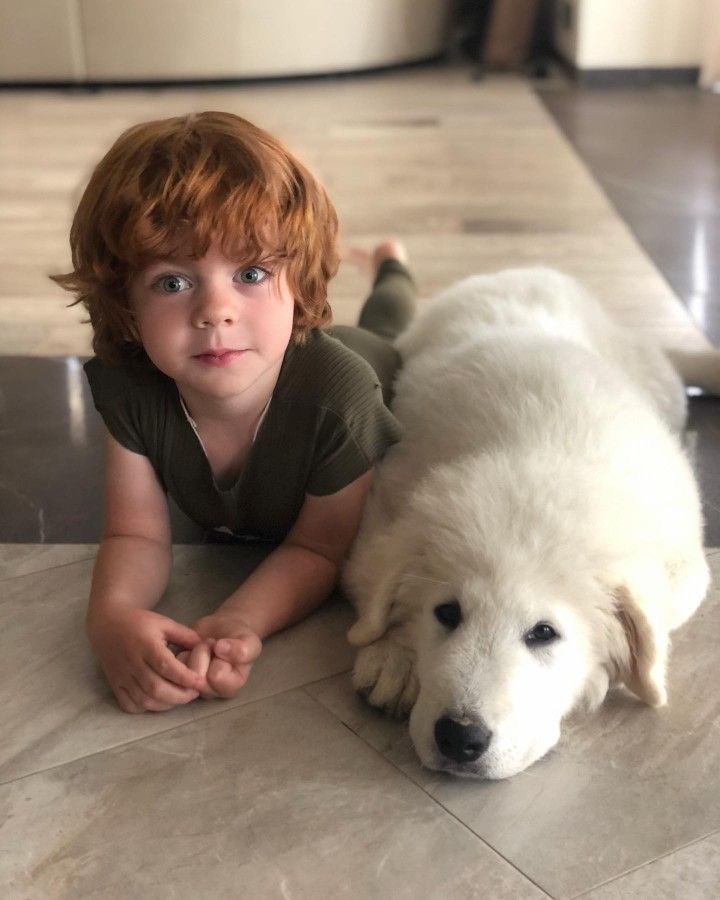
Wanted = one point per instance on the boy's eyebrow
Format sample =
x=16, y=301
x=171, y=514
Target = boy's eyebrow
x=266, y=257
x=166, y=261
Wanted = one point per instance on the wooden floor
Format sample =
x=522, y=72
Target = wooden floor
x=475, y=176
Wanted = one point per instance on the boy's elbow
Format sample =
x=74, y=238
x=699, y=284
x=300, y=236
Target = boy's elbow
x=330, y=554
x=151, y=542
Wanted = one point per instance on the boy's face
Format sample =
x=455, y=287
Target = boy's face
x=220, y=330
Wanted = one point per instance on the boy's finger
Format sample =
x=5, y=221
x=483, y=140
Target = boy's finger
x=169, y=667
x=179, y=634
x=157, y=694
x=225, y=679
x=199, y=658
x=138, y=695
x=127, y=704
x=238, y=651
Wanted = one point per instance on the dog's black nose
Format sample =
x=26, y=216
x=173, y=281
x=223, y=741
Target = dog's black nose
x=462, y=743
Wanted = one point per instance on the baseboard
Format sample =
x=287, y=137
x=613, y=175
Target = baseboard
x=631, y=77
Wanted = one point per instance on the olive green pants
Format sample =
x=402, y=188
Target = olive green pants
x=385, y=314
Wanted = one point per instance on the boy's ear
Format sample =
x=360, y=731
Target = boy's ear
x=130, y=330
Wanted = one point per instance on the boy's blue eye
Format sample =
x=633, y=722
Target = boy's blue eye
x=172, y=284
x=253, y=275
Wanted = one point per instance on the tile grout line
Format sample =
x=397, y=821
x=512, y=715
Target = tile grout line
x=196, y=719
x=4, y=578
x=710, y=553
x=432, y=799
x=72, y=562
x=646, y=864
x=483, y=841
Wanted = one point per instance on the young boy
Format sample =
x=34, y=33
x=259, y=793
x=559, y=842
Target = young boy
x=202, y=250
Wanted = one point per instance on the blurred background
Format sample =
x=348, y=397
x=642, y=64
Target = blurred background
x=583, y=134
x=608, y=41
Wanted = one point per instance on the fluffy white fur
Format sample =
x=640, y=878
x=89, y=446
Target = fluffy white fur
x=541, y=479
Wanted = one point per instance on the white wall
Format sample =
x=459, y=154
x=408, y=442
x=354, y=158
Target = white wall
x=627, y=34
x=40, y=41
x=183, y=39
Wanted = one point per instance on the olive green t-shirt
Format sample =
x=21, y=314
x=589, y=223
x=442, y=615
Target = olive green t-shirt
x=326, y=425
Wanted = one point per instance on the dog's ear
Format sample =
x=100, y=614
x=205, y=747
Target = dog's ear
x=393, y=560
x=373, y=623
x=642, y=662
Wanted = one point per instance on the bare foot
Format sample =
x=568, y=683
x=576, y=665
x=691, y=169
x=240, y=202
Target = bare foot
x=390, y=249
x=368, y=261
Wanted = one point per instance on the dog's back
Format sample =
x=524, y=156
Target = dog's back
x=527, y=360
x=525, y=367
x=523, y=304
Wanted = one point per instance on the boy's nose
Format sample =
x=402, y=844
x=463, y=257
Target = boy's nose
x=214, y=307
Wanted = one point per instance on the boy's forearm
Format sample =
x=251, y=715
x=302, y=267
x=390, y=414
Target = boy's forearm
x=285, y=588
x=129, y=572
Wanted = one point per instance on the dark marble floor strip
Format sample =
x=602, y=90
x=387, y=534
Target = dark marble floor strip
x=655, y=151
x=51, y=478
x=656, y=154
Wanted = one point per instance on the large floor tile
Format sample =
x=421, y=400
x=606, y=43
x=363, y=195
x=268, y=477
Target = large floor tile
x=276, y=799
x=624, y=787
x=692, y=873
x=54, y=703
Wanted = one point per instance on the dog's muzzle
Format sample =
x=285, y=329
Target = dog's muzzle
x=463, y=742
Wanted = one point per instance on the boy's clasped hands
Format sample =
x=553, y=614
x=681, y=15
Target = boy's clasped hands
x=133, y=646
x=223, y=657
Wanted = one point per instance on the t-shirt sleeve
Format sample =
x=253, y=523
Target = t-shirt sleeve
x=115, y=400
x=352, y=440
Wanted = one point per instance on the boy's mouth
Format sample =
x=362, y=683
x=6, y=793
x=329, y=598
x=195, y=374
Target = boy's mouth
x=219, y=357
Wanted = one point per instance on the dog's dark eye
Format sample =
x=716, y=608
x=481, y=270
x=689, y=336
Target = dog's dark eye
x=448, y=614
x=542, y=633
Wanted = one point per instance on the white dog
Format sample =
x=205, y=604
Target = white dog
x=536, y=534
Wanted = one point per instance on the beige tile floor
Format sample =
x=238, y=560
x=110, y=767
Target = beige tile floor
x=295, y=789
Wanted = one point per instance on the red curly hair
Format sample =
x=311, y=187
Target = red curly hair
x=179, y=184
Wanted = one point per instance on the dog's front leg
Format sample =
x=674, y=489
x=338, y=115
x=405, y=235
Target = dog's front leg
x=384, y=672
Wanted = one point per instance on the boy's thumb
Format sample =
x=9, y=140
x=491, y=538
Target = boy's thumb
x=238, y=650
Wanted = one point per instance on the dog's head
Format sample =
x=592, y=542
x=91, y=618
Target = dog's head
x=500, y=665
x=514, y=630
x=501, y=661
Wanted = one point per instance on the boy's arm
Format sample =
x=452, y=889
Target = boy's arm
x=133, y=563
x=297, y=576
x=131, y=572
x=294, y=579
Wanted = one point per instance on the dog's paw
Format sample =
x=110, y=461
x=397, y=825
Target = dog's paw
x=384, y=675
